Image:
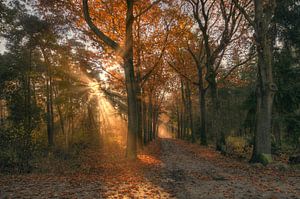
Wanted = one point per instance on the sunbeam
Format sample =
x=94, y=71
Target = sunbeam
x=113, y=128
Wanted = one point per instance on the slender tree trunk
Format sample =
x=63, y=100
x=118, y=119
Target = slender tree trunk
x=139, y=90
x=154, y=122
x=49, y=99
x=150, y=119
x=49, y=123
x=51, y=102
x=27, y=85
x=140, y=119
x=181, y=123
x=185, y=110
x=178, y=121
x=203, y=136
x=91, y=119
x=139, y=113
x=61, y=119
x=60, y=115
x=145, y=124
x=190, y=111
x=68, y=133
x=202, y=104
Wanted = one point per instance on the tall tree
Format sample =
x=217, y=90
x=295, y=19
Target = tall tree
x=208, y=20
x=266, y=88
x=198, y=57
x=126, y=53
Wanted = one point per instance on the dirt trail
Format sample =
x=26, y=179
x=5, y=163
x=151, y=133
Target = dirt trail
x=167, y=168
x=195, y=172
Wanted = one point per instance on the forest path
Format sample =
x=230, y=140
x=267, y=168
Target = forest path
x=191, y=171
x=167, y=168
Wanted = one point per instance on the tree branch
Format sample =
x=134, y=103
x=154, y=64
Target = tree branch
x=182, y=75
x=107, y=40
x=147, y=9
x=244, y=12
x=147, y=75
x=237, y=65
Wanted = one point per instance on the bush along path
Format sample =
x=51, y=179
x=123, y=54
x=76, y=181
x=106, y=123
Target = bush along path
x=166, y=168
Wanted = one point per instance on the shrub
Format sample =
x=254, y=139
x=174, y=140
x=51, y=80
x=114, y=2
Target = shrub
x=237, y=146
x=16, y=149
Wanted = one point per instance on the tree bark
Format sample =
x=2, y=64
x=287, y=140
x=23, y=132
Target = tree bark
x=150, y=119
x=202, y=91
x=211, y=78
x=49, y=123
x=178, y=121
x=202, y=103
x=190, y=111
x=185, y=110
x=266, y=88
x=49, y=100
x=145, y=124
x=61, y=118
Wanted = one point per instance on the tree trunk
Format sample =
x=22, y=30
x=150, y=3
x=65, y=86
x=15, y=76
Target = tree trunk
x=185, y=110
x=202, y=107
x=49, y=123
x=211, y=78
x=27, y=97
x=203, y=136
x=178, y=121
x=61, y=118
x=154, y=122
x=131, y=85
x=139, y=112
x=190, y=111
x=145, y=124
x=265, y=86
x=68, y=133
x=181, y=123
x=139, y=90
x=49, y=101
x=150, y=119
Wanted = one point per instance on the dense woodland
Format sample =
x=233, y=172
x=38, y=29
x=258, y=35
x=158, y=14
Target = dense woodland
x=219, y=73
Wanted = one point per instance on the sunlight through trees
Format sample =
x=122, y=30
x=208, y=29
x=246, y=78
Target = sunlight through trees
x=129, y=80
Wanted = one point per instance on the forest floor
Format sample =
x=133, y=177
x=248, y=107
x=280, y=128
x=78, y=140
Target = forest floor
x=167, y=168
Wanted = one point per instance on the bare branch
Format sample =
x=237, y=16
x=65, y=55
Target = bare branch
x=181, y=74
x=244, y=12
x=220, y=60
x=194, y=56
x=238, y=65
x=148, y=74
